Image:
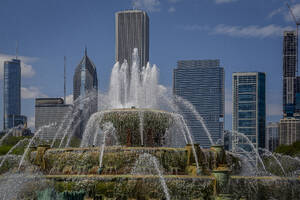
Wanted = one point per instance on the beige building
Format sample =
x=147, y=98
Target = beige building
x=289, y=130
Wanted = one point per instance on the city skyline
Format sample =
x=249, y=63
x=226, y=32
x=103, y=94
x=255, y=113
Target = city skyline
x=196, y=39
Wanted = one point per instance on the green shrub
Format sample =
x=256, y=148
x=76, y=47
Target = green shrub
x=290, y=150
x=4, y=149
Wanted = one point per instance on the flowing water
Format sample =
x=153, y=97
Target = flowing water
x=31, y=141
x=6, y=135
x=21, y=142
x=141, y=127
x=133, y=86
x=197, y=116
x=255, y=150
x=108, y=129
x=149, y=165
x=268, y=153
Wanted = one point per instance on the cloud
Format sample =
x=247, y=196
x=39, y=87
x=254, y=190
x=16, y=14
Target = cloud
x=26, y=69
x=241, y=31
x=148, y=5
x=195, y=27
x=31, y=93
x=285, y=12
x=69, y=99
x=224, y=1
x=251, y=31
x=174, y=1
x=296, y=11
x=171, y=9
x=276, y=12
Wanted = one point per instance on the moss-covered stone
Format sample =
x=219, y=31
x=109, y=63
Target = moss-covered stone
x=127, y=124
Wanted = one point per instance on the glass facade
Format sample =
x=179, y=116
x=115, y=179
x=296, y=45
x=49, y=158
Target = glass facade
x=290, y=48
x=11, y=93
x=201, y=82
x=85, y=82
x=249, y=108
x=272, y=139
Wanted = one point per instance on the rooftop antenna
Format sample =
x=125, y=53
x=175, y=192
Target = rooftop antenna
x=297, y=22
x=17, y=49
x=85, y=50
x=65, y=63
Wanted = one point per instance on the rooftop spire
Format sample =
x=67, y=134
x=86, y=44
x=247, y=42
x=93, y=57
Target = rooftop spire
x=85, y=51
x=17, y=48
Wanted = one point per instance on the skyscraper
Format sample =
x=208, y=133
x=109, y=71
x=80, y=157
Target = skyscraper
x=289, y=72
x=85, y=83
x=51, y=111
x=289, y=130
x=272, y=139
x=249, y=108
x=11, y=93
x=132, y=31
x=201, y=82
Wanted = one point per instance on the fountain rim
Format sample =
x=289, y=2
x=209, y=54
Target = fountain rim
x=137, y=110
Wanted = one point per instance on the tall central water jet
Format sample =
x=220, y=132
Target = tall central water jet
x=133, y=86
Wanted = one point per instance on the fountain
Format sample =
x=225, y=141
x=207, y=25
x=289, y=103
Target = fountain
x=139, y=147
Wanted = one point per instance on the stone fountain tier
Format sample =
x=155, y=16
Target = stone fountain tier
x=128, y=122
x=75, y=169
x=121, y=160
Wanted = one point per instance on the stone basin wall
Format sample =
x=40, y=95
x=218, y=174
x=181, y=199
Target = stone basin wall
x=252, y=188
x=137, y=187
x=121, y=160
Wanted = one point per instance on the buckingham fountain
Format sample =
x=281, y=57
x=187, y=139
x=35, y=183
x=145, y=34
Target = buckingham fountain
x=140, y=147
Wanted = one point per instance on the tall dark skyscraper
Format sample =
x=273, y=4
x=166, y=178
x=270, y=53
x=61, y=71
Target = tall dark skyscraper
x=289, y=72
x=132, y=31
x=85, y=83
x=12, y=93
x=85, y=78
x=201, y=82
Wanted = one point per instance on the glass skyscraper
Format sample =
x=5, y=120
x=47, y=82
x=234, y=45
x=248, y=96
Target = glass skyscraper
x=290, y=82
x=249, y=108
x=272, y=136
x=132, y=31
x=201, y=82
x=85, y=83
x=12, y=94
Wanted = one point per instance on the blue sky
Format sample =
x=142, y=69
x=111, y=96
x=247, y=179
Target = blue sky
x=246, y=35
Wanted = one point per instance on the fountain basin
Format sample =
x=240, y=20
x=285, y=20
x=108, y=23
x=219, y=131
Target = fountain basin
x=180, y=187
x=128, y=122
x=121, y=160
x=135, y=187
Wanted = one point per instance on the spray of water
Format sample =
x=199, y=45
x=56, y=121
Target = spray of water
x=133, y=86
x=255, y=150
x=8, y=133
x=31, y=141
x=108, y=128
x=190, y=106
x=21, y=142
x=268, y=153
x=148, y=164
